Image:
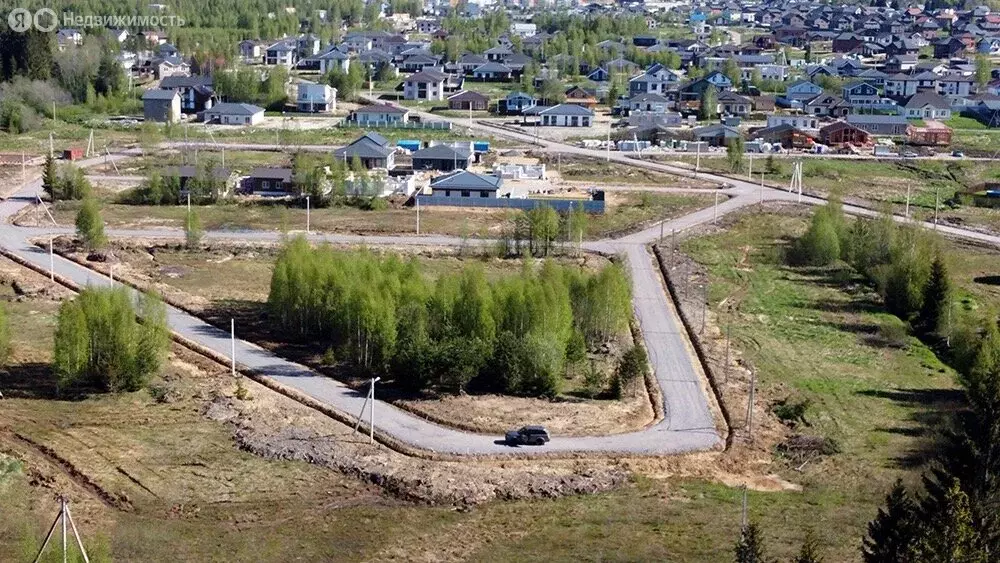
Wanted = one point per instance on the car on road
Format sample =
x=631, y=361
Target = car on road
x=909, y=154
x=527, y=436
x=958, y=154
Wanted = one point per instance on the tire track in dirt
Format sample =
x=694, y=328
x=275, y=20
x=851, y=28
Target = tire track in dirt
x=67, y=468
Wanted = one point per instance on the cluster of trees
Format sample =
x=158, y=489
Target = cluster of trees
x=90, y=225
x=536, y=232
x=750, y=548
x=901, y=261
x=66, y=184
x=205, y=188
x=244, y=85
x=100, y=343
x=385, y=317
x=349, y=83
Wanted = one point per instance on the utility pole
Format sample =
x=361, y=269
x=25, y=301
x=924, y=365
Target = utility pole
x=189, y=202
x=715, y=210
x=750, y=400
x=52, y=149
x=417, y=197
x=673, y=246
x=937, y=191
x=307, y=215
x=907, y=212
x=607, y=145
x=52, y=262
x=232, y=343
x=704, y=306
x=697, y=162
x=761, y=202
x=370, y=398
x=750, y=170
x=743, y=513
x=725, y=370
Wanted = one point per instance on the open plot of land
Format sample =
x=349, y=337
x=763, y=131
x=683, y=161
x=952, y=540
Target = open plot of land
x=818, y=336
x=626, y=211
x=887, y=181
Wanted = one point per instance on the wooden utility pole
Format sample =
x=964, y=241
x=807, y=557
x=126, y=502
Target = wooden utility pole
x=750, y=401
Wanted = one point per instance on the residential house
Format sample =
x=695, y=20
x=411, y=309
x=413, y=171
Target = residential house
x=562, y=115
x=516, y=102
x=802, y=90
x=731, y=103
x=949, y=47
x=379, y=115
x=788, y=136
x=841, y=132
x=900, y=63
x=442, y=157
x=847, y=42
x=197, y=93
x=492, y=72
x=879, y=125
x=160, y=67
x=428, y=25
x=316, y=98
x=333, y=59
x=269, y=181
x=861, y=94
x=463, y=183
x=162, y=106
x=251, y=52
x=716, y=135
x=371, y=149
x=417, y=62
x=797, y=121
x=424, y=85
x=656, y=80
x=284, y=53
x=575, y=95
x=223, y=177
x=956, y=85
x=498, y=54
x=648, y=102
x=470, y=62
x=468, y=100
x=234, y=114
x=827, y=105
x=927, y=105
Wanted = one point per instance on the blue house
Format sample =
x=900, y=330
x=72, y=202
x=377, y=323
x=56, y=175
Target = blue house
x=516, y=103
x=861, y=94
x=802, y=90
x=719, y=80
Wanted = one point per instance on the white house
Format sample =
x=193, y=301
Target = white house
x=316, y=98
x=523, y=29
x=927, y=105
x=379, y=115
x=234, y=114
x=563, y=115
x=332, y=59
x=425, y=85
x=796, y=121
x=284, y=52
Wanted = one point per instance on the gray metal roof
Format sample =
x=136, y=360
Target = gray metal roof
x=158, y=94
x=227, y=108
x=465, y=180
x=442, y=152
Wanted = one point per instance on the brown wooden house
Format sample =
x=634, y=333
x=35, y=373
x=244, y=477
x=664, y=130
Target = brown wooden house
x=840, y=133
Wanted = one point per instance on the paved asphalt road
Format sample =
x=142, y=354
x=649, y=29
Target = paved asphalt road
x=686, y=426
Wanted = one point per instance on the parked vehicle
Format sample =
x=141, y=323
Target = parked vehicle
x=958, y=154
x=527, y=435
x=909, y=154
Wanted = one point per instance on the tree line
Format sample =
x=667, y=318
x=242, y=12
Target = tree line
x=951, y=516
x=383, y=316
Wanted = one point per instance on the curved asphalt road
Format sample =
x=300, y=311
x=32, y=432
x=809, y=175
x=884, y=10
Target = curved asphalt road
x=688, y=424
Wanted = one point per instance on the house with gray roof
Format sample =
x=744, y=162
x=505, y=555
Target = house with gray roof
x=927, y=105
x=425, y=85
x=161, y=106
x=197, y=93
x=234, y=114
x=371, y=149
x=463, y=183
x=379, y=115
x=445, y=158
x=885, y=125
x=562, y=115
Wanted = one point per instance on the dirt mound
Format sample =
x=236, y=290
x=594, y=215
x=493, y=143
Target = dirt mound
x=429, y=482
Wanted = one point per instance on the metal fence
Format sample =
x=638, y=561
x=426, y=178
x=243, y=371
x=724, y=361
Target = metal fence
x=440, y=125
x=562, y=205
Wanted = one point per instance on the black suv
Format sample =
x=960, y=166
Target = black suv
x=527, y=435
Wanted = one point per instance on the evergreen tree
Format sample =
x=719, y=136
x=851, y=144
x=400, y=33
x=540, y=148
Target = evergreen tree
x=951, y=534
x=893, y=534
x=89, y=225
x=50, y=179
x=936, y=298
x=810, y=550
x=709, y=107
x=750, y=547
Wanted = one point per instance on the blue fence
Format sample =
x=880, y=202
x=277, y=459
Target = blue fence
x=562, y=205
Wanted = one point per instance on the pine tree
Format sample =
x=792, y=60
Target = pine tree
x=89, y=225
x=810, y=550
x=750, y=547
x=893, y=534
x=951, y=534
x=50, y=179
x=936, y=298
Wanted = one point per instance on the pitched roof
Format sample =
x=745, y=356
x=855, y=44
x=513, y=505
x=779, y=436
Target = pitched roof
x=465, y=95
x=427, y=76
x=493, y=67
x=272, y=173
x=228, y=108
x=564, y=109
x=169, y=82
x=380, y=108
x=921, y=99
x=463, y=179
x=158, y=94
x=442, y=152
x=365, y=146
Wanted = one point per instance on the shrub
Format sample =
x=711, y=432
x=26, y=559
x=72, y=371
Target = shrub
x=632, y=368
